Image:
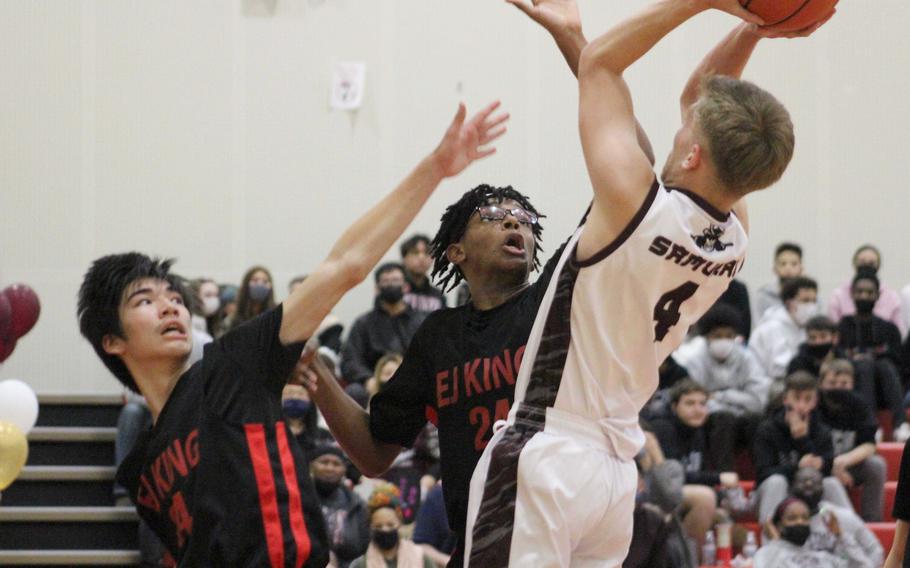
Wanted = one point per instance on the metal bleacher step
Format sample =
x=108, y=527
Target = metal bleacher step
x=80, y=445
x=72, y=434
x=61, y=486
x=69, y=557
x=67, y=473
x=86, y=410
x=59, y=528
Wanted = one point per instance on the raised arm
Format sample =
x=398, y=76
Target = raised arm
x=619, y=170
x=364, y=243
x=729, y=57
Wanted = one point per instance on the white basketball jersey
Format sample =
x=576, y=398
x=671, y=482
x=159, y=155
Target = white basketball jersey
x=632, y=305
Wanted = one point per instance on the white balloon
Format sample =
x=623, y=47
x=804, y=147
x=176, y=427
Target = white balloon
x=18, y=404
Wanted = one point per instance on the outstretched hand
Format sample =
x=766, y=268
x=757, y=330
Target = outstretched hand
x=465, y=142
x=554, y=15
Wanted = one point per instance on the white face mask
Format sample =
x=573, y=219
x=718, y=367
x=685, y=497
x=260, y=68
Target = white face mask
x=210, y=305
x=804, y=312
x=720, y=349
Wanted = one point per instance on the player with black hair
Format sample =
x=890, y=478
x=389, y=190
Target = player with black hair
x=460, y=369
x=216, y=477
x=454, y=221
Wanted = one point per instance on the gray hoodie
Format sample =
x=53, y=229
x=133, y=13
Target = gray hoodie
x=738, y=384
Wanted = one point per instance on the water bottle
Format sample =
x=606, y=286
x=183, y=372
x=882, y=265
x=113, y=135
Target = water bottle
x=709, y=550
x=750, y=547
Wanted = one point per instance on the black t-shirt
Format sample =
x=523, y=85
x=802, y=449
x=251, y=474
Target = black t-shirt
x=218, y=477
x=459, y=372
x=849, y=417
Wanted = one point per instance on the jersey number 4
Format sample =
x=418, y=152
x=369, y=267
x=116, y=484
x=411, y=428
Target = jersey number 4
x=666, y=311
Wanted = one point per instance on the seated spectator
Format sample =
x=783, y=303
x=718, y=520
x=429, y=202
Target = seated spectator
x=421, y=296
x=431, y=530
x=330, y=329
x=227, y=293
x=852, y=427
x=788, y=263
x=736, y=296
x=874, y=347
x=736, y=382
x=732, y=375
x=385, y=368
x=669, y=373
x=303, y=420
x=683, y=438
x=888, y=307
x=387, y=328
x=792, y=437
x=387, y=549
x=788, y=530
x=820, y=347
x=345, y=513
x=776, y=340
x=255, y=296
x=206, y=293
x=835, y=529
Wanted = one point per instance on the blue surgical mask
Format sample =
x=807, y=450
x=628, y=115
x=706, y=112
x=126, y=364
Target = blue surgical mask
x=296, y=407
x=259, y=292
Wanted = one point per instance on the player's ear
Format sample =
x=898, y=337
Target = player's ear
x=693, y=158
x=113, y=345
x=455, y=253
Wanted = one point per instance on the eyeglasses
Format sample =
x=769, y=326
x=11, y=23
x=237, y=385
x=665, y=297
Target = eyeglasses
x=497, y=213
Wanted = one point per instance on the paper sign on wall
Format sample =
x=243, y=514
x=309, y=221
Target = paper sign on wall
x=347, y=86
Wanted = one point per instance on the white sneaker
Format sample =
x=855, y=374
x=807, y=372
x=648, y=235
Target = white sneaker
x=902, y=433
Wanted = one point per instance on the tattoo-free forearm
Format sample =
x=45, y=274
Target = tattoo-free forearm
x=628, y=41
x=350, y=424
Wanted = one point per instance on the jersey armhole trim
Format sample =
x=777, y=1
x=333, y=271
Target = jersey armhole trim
x=625, y=234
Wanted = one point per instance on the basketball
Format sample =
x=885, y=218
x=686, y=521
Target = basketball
x=789, y=15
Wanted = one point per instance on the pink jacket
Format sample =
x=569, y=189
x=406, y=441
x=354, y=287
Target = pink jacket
x=888, y=306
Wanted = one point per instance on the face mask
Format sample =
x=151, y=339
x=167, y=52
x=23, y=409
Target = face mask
x=210, y=305
x=804, y=312
x=720, y=349
x=385, y=540
x=391, y=294
x=325, y=488
x=819, y=350
x=259, y=292
x=296, y=408
x=797, y=534
x=864, y=307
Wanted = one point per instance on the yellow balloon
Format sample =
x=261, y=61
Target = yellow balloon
x=13, y=453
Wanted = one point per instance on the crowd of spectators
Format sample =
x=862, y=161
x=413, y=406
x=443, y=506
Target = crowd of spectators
x=783, y=389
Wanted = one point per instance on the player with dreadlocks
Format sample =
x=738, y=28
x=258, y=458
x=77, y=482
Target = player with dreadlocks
x=460, y=369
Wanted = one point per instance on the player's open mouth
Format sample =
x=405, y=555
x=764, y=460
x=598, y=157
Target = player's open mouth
x=514, y=245
x=174, y=329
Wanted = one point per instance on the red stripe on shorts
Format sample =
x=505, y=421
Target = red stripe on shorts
x=268, y=501
x=298, y=523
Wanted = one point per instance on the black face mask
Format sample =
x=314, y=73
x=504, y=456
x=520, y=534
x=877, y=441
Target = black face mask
x=864, y=307
x=325, y=488
x=391, y=294
x=797, y=534
x=819, y=350
x=385, y=540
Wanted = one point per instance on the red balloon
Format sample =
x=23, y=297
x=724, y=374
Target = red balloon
x=25, y=309
x=6, y=316
x=7, y=344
